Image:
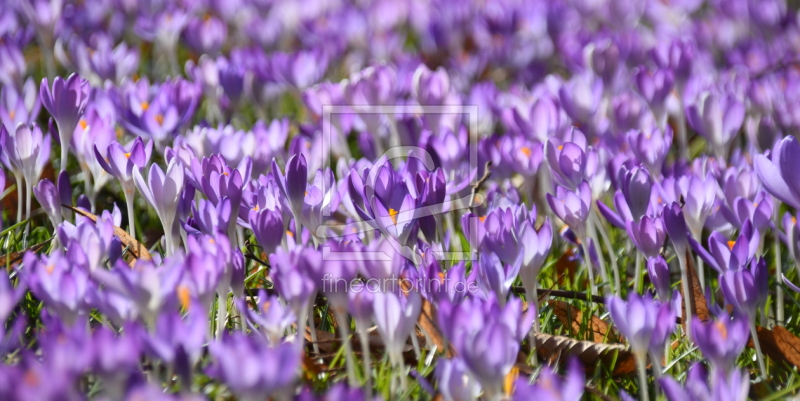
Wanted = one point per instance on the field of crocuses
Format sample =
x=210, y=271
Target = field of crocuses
x=399, y=199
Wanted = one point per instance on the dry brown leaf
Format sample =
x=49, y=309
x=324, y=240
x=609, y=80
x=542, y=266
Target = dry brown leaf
x=698, y=304
x=788, y=343
x=591, y=354
x=13, y=258
x=572, y=319
x=768, y=345
x=136, y=249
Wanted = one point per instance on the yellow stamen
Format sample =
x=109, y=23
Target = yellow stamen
x=183, y=296
x=266, y=306
x=289, y=233
x=225, y=173
x=731, y=244
x=256, y=208
x=482, y=218
x=212, y=241
x=83, y=124
x=159, y=119
x=12, y=113
x=560, y=147
x=144, y=105
x=393, y=215
x=526, y=150
x=50, y=268
x=511, y=377
x=128, y=155
x=794, y=220
x=723, y=331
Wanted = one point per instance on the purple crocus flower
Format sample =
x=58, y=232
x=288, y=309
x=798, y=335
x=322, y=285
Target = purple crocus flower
x=496, y=277
x=66, y=103
x=205, y=35
x=455, y=383
x=253, y=369
x=651, y=146
x=549, y=386
x=746, y=288
x=658, y=270
x=178, y=340
x=718, y=118
x=396, y=316
x=722, y=339
x=699, y=194
x=28, y=151
x=733, y=385
x=273, y=317
x=47, y=195
x=9, y=296
x=121, y=163
x=778, y=175
x=572, y=207
x=61, y=283
x=162, y=191
x=648, y=235
x=19, y=107
x=570, y=159
x=646, y=323
x=655, y=87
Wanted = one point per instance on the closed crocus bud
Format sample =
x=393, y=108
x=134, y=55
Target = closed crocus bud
x=675, y=224
x=396, y=316
x=722, y=339
x=570, y=159
x=658, y=270
x=536, y=246
x=636, y=187
x=211, y=219
x=267, y=226
x=699, y=194
x=648, y=235
x=580, y=98
x=47, y=195
x=163, y=192
x=272, y=316
x=572, y=207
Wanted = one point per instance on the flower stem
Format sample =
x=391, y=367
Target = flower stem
x=131, y=217
x=344, y=333
x=18, y=178
x=759, y=354
x=687, y=317
x=641, y=366
x=778, y=280
x=28, y=194
x=364, y=338
x=589, y=270
x=611, y=254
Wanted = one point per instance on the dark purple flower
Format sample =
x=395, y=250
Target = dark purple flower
x=646, y=323
x=648, y=235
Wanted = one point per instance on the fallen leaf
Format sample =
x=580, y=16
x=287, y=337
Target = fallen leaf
x=591, y=354
x=572, y=319
x=136, y=249
x=788, y=343
x=698, y=305
x=13, y=258
x=768, y=345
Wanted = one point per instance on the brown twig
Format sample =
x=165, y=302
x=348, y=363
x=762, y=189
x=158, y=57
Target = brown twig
x=487, y=171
